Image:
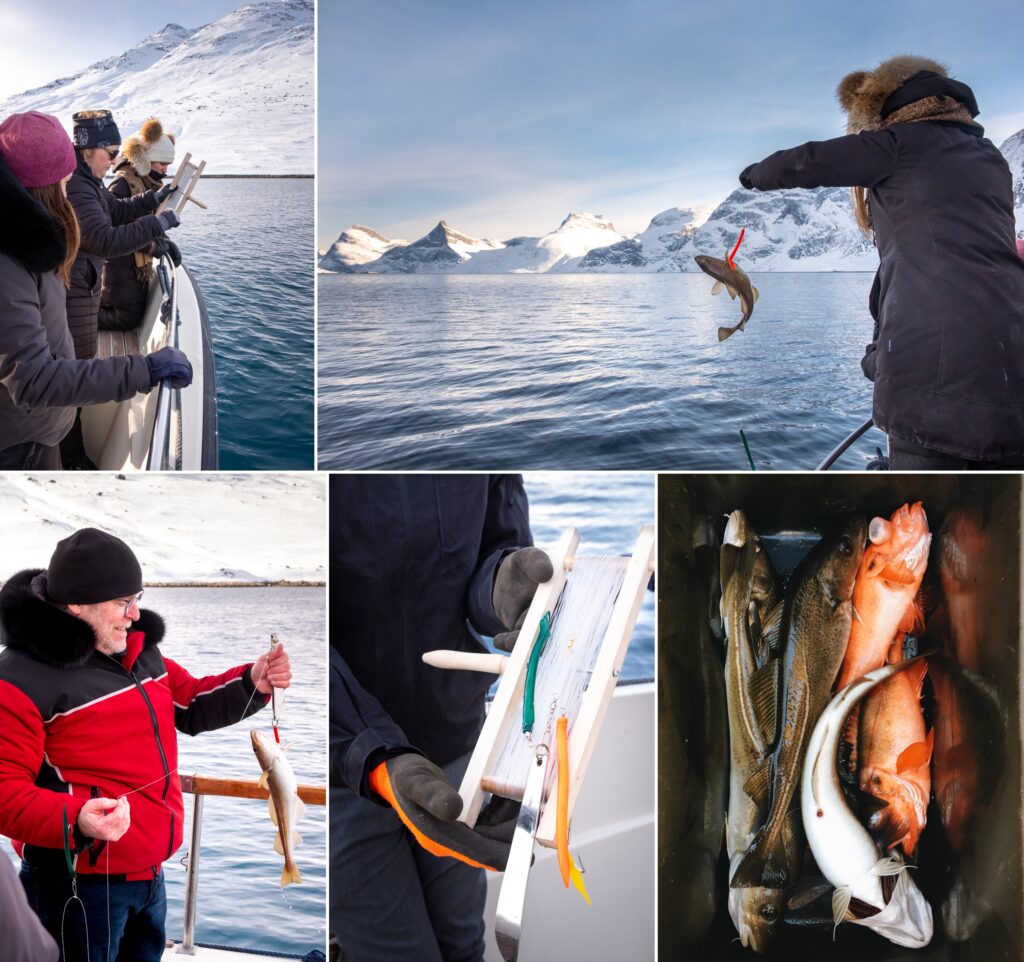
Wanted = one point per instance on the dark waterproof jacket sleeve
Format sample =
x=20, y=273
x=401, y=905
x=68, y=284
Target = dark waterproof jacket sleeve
x=25, y=939
x=216, y=701
x=109, y=226
x=362, y=734
x=857, y=160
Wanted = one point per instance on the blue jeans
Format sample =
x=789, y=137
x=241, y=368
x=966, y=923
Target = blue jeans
x=135, y=910
x=392, y=901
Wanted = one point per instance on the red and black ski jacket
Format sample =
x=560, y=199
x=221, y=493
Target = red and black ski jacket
x=78, y=724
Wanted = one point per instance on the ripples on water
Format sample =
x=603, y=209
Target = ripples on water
x=250, y=253
x=589, y=371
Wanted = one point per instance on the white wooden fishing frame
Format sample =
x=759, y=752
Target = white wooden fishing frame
x=177, y=204
x=506, y=707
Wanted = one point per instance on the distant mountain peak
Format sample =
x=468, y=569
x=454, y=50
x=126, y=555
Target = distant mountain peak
x=583, y=219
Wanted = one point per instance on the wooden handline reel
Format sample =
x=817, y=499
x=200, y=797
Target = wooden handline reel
x=185, y=179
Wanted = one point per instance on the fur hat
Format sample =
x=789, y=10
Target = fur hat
x=863, y=93
x=150, y=144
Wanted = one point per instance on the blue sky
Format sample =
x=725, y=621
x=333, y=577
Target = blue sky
x=502, y=118
x=43, y=40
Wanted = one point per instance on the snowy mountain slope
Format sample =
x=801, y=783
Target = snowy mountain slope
x=440, y=251
x=653, y=250
x=355, y=246
x=238, y=92
x=212, y=528
x=1013, y=150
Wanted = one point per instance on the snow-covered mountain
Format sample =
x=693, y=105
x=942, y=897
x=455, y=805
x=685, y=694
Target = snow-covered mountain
x=441, y=251
x=1013, y=150
x=238, y=92
x=653, y=250
x=354, y=247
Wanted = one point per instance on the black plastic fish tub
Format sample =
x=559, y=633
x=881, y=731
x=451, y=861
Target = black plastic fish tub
x=969, y=863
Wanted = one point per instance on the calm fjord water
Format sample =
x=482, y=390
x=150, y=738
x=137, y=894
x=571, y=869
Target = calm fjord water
x=589, y=371
x=249, y=253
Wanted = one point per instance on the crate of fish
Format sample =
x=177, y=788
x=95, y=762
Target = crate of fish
x=839, y=716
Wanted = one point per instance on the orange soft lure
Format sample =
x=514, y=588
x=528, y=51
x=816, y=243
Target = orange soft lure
x=562, y=810
x=743, y=230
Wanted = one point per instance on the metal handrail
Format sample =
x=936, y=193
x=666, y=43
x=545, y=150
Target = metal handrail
x=844, y=445
x=200, y=786
x=160, y=444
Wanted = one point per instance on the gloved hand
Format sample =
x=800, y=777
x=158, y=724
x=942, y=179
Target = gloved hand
x=164, y=192
x=745, y=177
x=428, y=806
x=518, y=576
x=164, y=246
x=171, y=363
x=168, y=219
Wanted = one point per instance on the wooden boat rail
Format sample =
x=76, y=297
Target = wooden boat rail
x=200, y=786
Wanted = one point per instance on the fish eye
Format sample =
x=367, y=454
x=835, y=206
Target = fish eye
x=845, y=545
x=769, y=912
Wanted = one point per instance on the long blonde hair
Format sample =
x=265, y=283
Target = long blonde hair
x=53, y=198
x=862, y=209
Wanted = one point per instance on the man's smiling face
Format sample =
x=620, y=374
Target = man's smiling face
x=110, y=622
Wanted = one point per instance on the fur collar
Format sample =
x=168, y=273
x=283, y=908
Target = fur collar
x=33, y=625
x=28, y=232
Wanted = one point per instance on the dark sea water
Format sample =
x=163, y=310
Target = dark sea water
x=589, y=371
x=250, y=254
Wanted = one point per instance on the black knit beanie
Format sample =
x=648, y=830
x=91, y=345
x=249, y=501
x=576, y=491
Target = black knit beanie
x=94, y=128
x=91, y=566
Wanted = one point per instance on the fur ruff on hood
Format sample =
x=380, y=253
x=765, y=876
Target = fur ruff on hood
x=137, y=148
x=28, y=232
x=30, y=624
x=863, y=93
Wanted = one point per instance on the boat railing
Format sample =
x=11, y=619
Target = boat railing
x=200, y=786
x=160, y=446
x=879, y=463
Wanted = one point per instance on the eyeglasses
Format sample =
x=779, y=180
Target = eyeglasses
x=127, y=605
x=113, y=151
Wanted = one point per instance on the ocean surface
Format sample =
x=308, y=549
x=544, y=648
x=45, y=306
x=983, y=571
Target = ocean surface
x=240, y=902
x=590, y=371
x=250, y=254
x=608, y=508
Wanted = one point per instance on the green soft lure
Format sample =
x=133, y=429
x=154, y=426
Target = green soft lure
x=67, y=844
x=531, y=671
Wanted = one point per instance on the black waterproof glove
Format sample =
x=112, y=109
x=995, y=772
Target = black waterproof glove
x=745, y=177
x=171, y=363
x=518, y=576
x=429, y=807
x=164, y=192
x=163, y=246
x=168, y=219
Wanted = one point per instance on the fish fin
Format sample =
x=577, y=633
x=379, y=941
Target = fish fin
x=264, y=776
x=772, y=629
x=299, y=809
x=577, y=880
x=764, y=697
x=913, y=618
x=855, y=614
x=840, y=903
x=753, y=291
x=898, y=573
x=807, y=890
x=725, y=332
x=731, y=290
x=289, y=874
x=888, y=865
x=758, y=785
x=296, y=838
x=718, y=287
x=916, y=755
x=755, y=632
x=763, y=864
x=278, y=847
x=272, y=809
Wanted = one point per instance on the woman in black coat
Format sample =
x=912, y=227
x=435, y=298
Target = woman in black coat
x=948, y=299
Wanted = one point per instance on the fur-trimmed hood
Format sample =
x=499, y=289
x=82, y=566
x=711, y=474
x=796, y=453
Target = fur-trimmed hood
x=33, y=625
x=869, y=96
x=28, y=232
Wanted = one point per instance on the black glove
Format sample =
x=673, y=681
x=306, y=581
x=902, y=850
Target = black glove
x=429, y=807
x=869, y=361
x=163, y=246
x=168, y=219
x=171, y=363
x=745, y=177
x=514, y=585
x=164, y=192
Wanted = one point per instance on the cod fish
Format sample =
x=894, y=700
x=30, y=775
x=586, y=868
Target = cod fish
x=814, y=628
x=735, y=281
x=844, y=851
x=286, y=808
x=750, y=590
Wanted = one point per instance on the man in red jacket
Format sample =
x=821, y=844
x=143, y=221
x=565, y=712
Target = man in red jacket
x=88, y=750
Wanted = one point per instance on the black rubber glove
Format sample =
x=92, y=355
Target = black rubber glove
x=163, y=246
x=745, y=177
x=168, y=219
x=514, y=585
x=164, y=192
x=429, y=807
x=171, y=363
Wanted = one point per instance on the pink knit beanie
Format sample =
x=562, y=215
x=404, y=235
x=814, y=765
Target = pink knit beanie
x=1020, y=247
x=36, y=148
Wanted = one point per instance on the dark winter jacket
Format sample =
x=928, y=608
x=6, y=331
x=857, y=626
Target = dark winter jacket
x=412, y=558
x=949, y=296
x=110, y=227
x=25, y=938
x=77, y=724
x=42, y=382
x=123, y=293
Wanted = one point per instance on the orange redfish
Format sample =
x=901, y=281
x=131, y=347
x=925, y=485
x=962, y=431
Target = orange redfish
x=887, y=584
x=894, y=759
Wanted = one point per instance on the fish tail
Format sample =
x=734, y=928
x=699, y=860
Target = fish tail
x=724, y=332
x=290, y=873
x=764, y=863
